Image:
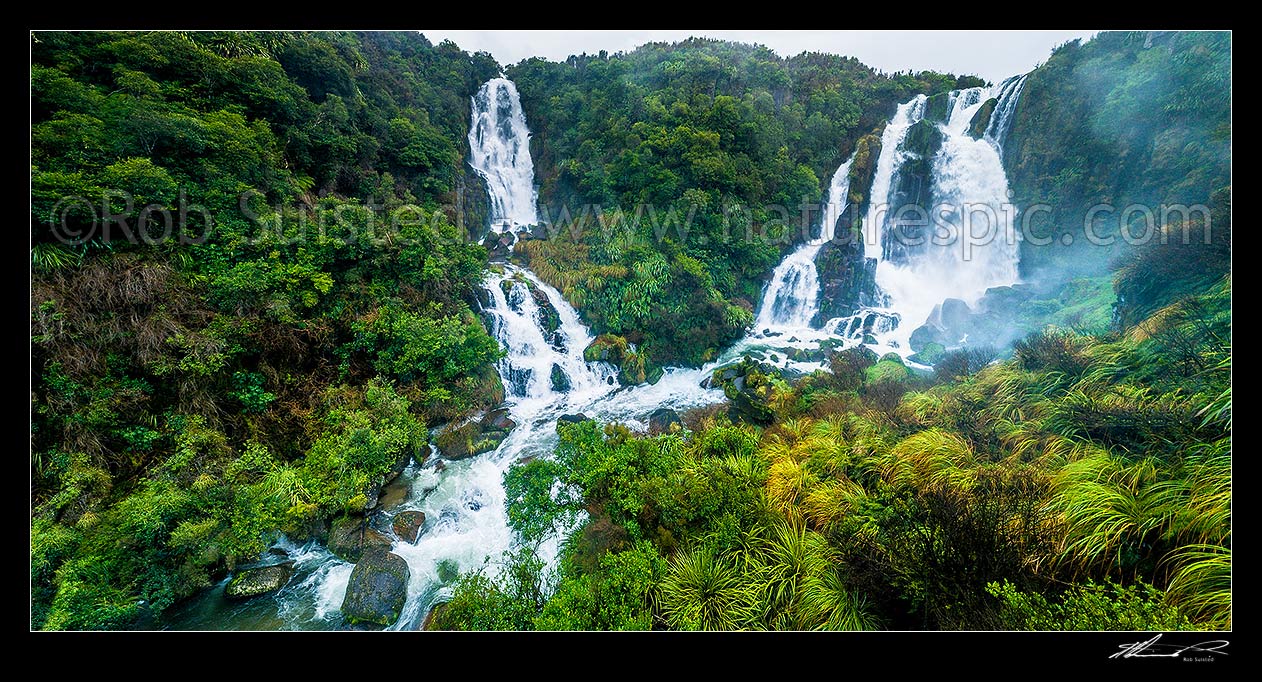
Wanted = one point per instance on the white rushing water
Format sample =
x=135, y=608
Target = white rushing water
x=466, y=525
x=499, y=149
x=1001, y=120
x=972, y=244
x=791, y=299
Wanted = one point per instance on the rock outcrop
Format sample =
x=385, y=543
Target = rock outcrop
x=377, y=589
x=350, y=536
x=407, y=525
x=254, y=582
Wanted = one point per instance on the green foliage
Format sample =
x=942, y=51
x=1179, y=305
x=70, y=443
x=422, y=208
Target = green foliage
x=618, y=596
x=532, y=510
x=366, y=433
x=1089, y=606
x=702, y=592
x=1074, y=486
x=248, y=390
x=424, y=347
x=509, y=601
x=192, y=400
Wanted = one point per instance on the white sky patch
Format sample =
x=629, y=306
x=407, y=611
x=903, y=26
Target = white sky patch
x=993, y=55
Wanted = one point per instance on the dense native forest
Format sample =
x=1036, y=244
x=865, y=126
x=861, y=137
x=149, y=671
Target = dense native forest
x=261, y=369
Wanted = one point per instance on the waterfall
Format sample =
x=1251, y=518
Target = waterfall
x=467, y=499
x=887, y=163
x=464, y=503
x=972, y=244
x=1001, y=119
x=499, y=150
x=791, y=299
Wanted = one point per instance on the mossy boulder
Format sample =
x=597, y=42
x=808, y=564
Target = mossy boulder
x=805, y=354
x=407, y=525
x=923, y=139
x=887, y=369
x=938, y=107
x=748, y=386
x=254, y=582
x=434, y=617
x=929, y=354
x=654, y=373
x=350, y=537
x=422, y=453
x=549, y=319
x=606, y=348
x=634, y=368
x=981, y=119
x=862, y=173
x=475, y=437
x=560, y=380
x=846, y=280
x=572, y=419
x=632, y=372
x=664, y=420
x=377, y=589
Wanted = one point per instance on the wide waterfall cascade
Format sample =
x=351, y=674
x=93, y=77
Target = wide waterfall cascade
x=791, y=298
x=466, y=524
x=972, y=245
x=499, y=150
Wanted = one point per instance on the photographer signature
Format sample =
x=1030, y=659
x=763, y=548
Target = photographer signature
x=1152, y=649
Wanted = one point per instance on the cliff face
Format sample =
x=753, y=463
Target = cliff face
x=1128, y=117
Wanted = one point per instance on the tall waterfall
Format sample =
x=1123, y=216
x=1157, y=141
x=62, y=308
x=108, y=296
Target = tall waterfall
x=499, y=149
x=972, y=244
x=791, y=299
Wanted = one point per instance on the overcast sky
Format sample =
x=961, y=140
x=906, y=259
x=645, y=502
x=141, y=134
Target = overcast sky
x=993, y=55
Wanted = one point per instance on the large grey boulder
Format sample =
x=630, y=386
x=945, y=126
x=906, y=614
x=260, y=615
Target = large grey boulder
x=377, y=589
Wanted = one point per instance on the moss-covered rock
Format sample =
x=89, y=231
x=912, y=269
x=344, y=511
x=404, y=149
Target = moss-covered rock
x=887, y=370
x=938, y=107
x=475, y=437
x=632, y=371
x=862, y=173
x=254, y=582
x=350, y=537
x=434, y=617
x=549, y=319
x=560, y=380
x=748, y=386
x=377, y=589
x=923, y=139
x=805, y=354
x=654, y=373
x=664, y=420
x=846, y=278
x=928, y=354
x=634, y=368
x=422, y=453
x=606, y=348
x=407, y=524
x=572, y=419
x=981, y=119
